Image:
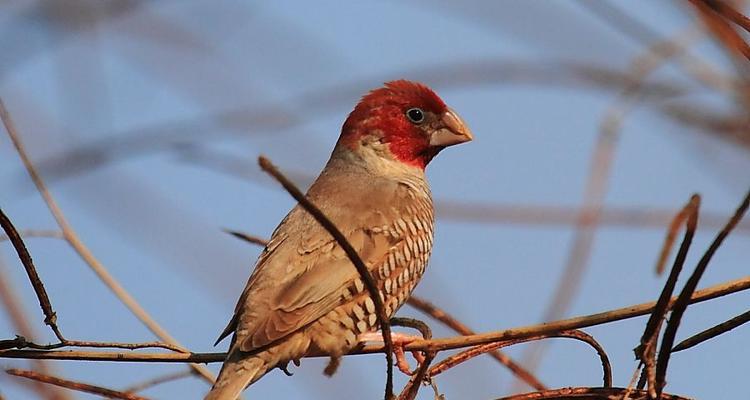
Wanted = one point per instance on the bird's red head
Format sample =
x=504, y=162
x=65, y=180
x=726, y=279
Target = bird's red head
x=405, y=121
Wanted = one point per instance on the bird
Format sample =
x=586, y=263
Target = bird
x=304, y=295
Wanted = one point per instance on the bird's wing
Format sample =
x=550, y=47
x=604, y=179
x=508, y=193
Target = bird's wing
x=303, y=273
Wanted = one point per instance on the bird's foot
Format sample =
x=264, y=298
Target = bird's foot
x=399, y=341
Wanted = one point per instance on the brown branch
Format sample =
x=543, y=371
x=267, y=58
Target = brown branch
x=159, y=380
x=456, y=342
x=586, y=393
x=646, y=350
x=721, y=7
x=77, y=386
x=683, y=300
x=442, y=316
x=36, y=233
x=730, y=38
x=364, y=272
x=247, y=237
x=50, y=318
x=18, y=319
x=711, y=333
x=83, y=251
x=597, y=182
x=466, y=355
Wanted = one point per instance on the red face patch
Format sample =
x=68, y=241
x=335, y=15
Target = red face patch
x=384, y=110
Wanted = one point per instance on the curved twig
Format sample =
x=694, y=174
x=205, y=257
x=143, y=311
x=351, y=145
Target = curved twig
x=466, y=355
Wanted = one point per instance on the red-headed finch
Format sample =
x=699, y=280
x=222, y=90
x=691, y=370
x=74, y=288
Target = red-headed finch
x=305, y=295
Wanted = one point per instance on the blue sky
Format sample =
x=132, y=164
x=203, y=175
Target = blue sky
x=127, y=106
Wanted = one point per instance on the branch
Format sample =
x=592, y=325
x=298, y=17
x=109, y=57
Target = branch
x=83, y=251
x=50, y=318
x=442, y=316
x=81, y=387
x=364, y=273
x=683, y=300
x=588, y=393
x=466, y=355
x=711, y=333
x=646, y=350
x=456, y=342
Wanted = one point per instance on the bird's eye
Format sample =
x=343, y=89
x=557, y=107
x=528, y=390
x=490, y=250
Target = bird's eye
x=415, y=115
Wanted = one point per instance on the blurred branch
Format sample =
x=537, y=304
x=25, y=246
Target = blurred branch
x=77, y=386
x=637, y=310
x=36, y=233
x=642, y=33
x=158, y=381
x=595, y=190
x=237, y=122
x=481, y=213
x=713, y=13
x=21, y=324
x=372, y=288
x=83, y=251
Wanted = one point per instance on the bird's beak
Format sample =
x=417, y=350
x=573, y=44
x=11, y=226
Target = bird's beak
x=454, y=131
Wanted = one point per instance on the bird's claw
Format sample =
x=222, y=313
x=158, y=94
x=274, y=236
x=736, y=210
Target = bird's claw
x=399, y=341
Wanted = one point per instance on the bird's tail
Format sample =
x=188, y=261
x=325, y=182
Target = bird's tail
x=236, y=374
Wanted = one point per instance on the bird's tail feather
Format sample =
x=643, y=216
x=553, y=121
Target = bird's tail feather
x=236, y=374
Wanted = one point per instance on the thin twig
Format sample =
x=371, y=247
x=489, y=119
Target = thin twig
x=586, y=393
x=77, y=386
x=247, y=237
x=36, y=233
x=364, y=272
x=450, y=321
x=83, y=251
x=711, y=333
x=455, y=342
x=158, y=381
x=50, y=318
x=646, y=350
x=597, y=184
x=466, y=355
x=21, y=324
x=683, y=300
x=725, y=33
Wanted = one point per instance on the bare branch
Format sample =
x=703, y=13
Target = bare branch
x=83, y=251
x=456, y=342
x=442, y=316
x=466, y=355
x=81, y=387
x=585, y=393
x=159, y=380
x=683, y=300
x=50, y=318
x=646, y=350
x=711, y=333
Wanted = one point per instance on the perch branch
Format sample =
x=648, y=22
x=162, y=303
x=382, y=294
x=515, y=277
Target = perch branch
x=456, y=342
